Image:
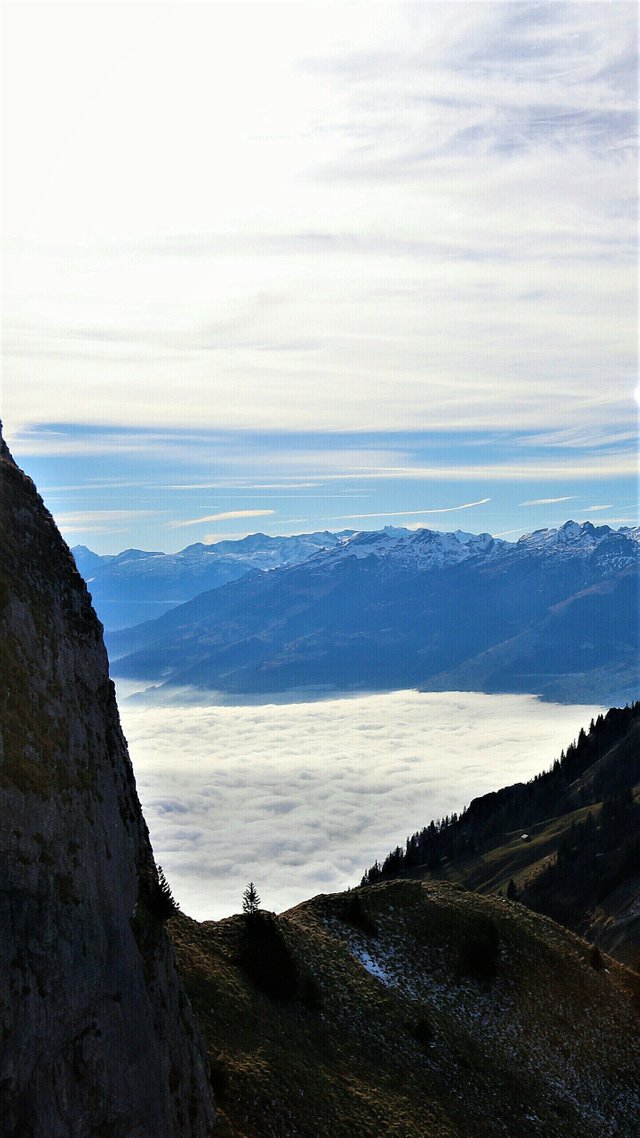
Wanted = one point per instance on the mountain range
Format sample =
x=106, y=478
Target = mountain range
x=137, y=585
x=554, y=613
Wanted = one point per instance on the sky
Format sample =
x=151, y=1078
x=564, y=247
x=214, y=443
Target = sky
x=288, y=267
x=302, y=798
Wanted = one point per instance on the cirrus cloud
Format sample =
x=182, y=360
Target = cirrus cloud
x=423, y=220
x=411, y=513
x=548, y=501
x=419, y=224
x=224, y=516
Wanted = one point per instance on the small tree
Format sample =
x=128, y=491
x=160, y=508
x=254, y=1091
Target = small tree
x=250, y=900
x=162, y=902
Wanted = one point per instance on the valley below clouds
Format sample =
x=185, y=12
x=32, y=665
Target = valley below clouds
x=301, y=798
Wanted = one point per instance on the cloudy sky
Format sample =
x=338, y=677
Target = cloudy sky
x=303, y=798
x=300, y=266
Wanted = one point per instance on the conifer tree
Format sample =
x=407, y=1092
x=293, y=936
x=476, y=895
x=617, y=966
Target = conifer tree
x=250, y=900
x=163, y=903
x=512, y=891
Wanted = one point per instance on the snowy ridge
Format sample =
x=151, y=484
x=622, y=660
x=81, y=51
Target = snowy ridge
x=134, y=586
x=572, y=537
x=258, y=551
x=433, y=549
x=418, y=549
x=415, y=549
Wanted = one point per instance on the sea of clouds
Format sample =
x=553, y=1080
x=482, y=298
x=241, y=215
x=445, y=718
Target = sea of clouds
x=302, y=798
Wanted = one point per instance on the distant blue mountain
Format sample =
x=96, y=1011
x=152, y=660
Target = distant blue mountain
x=137, y=585
x=555, y=613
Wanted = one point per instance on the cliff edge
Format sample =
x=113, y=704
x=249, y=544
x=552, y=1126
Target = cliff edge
x=96, y=1034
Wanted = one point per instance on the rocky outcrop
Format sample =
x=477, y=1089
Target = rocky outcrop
x=96, y=1034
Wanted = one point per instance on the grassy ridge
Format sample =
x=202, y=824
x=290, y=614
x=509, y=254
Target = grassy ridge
x=414, y=1009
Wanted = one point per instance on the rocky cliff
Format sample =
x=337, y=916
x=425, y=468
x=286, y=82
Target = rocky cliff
x=96, y=1034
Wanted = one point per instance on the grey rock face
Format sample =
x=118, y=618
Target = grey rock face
x=96, y=1035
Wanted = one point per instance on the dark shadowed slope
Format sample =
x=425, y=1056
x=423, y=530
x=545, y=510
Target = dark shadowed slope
x=96, y=1037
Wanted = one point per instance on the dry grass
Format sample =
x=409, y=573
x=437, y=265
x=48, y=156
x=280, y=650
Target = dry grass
x=410, y=1037
x=491, y=872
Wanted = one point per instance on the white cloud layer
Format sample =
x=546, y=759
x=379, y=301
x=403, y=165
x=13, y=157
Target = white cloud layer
x=302, y=798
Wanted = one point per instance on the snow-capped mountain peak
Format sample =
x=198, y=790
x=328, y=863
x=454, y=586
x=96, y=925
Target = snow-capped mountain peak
x=416, y=549
x=571, y=536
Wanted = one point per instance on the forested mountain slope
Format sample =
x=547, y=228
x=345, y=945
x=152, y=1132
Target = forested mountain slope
x=566, y=844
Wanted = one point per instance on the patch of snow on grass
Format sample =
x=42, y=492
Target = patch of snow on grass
x=372, y=966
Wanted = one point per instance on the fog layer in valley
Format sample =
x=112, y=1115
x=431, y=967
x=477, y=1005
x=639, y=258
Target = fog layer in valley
x=302, y=797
